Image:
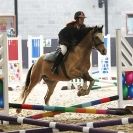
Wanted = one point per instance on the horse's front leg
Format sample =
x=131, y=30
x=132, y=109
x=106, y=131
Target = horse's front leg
x=84, y=90
x=92, y=81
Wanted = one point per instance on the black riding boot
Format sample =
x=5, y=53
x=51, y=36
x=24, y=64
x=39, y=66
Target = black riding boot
x=57, y=62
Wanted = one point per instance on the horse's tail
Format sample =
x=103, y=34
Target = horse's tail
x=27, y=82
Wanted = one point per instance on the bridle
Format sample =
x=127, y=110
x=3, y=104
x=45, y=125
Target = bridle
x=96, y=44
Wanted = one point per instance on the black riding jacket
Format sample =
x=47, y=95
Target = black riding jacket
x=67, y=36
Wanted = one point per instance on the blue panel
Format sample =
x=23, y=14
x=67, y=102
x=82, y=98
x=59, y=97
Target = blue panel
x=105, y=42
x=35, y=48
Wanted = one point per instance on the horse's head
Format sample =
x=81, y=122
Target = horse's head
x=98, y=40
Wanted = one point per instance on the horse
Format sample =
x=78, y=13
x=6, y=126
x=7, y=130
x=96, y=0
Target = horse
x=75, y=65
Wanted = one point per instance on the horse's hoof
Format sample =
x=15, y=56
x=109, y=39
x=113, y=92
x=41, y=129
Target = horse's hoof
x=87, y=92
x=18, y=111
x=78, y=94
x=46, y=103
x=83, y=92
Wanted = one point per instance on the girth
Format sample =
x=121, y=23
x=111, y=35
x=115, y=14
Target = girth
x=63, y=64
x=64, y=70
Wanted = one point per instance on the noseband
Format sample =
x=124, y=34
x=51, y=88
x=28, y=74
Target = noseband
x=97, y=44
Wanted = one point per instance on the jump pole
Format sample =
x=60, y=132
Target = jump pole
x=105, y=123
x=36, y=130
x=55, y=125
x=68, y=109
x=82, y=105
x=106, y=81
x=101, y=87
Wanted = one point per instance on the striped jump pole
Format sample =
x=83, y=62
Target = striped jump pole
x=68, y=109
x=104, y=78
x=97, y=102
x=44, y=114
x=122, y=121
x=112, y=78
x=106, y=81
x=64, y=109
x=95, y=72
x=87, y=104
x=55, y=125
x=100, y=87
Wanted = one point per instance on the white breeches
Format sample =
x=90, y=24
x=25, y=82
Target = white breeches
x=63, y=49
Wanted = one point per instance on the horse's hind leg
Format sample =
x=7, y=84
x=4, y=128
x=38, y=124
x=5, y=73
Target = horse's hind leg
x=34, y=79
x=92, y=81
x=51, y=85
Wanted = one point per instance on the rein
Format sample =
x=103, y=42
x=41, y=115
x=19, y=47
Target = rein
x=99, y=43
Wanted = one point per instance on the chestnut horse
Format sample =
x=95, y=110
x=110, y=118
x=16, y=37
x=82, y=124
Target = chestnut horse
x=76, y=65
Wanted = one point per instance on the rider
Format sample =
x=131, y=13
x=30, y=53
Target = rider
x=79, y=24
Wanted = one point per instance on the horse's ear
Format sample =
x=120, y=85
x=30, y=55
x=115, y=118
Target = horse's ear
x=95, y=29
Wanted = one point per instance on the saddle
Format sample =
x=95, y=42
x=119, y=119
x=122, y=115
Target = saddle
x=51, y=56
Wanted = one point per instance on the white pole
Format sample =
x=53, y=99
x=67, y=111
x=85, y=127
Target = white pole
x=119, y=66
x=5, y=73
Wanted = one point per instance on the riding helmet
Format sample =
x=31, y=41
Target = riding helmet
x=79, y=14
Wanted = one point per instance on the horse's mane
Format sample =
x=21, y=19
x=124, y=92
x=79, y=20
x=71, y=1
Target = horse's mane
x=73, y=35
